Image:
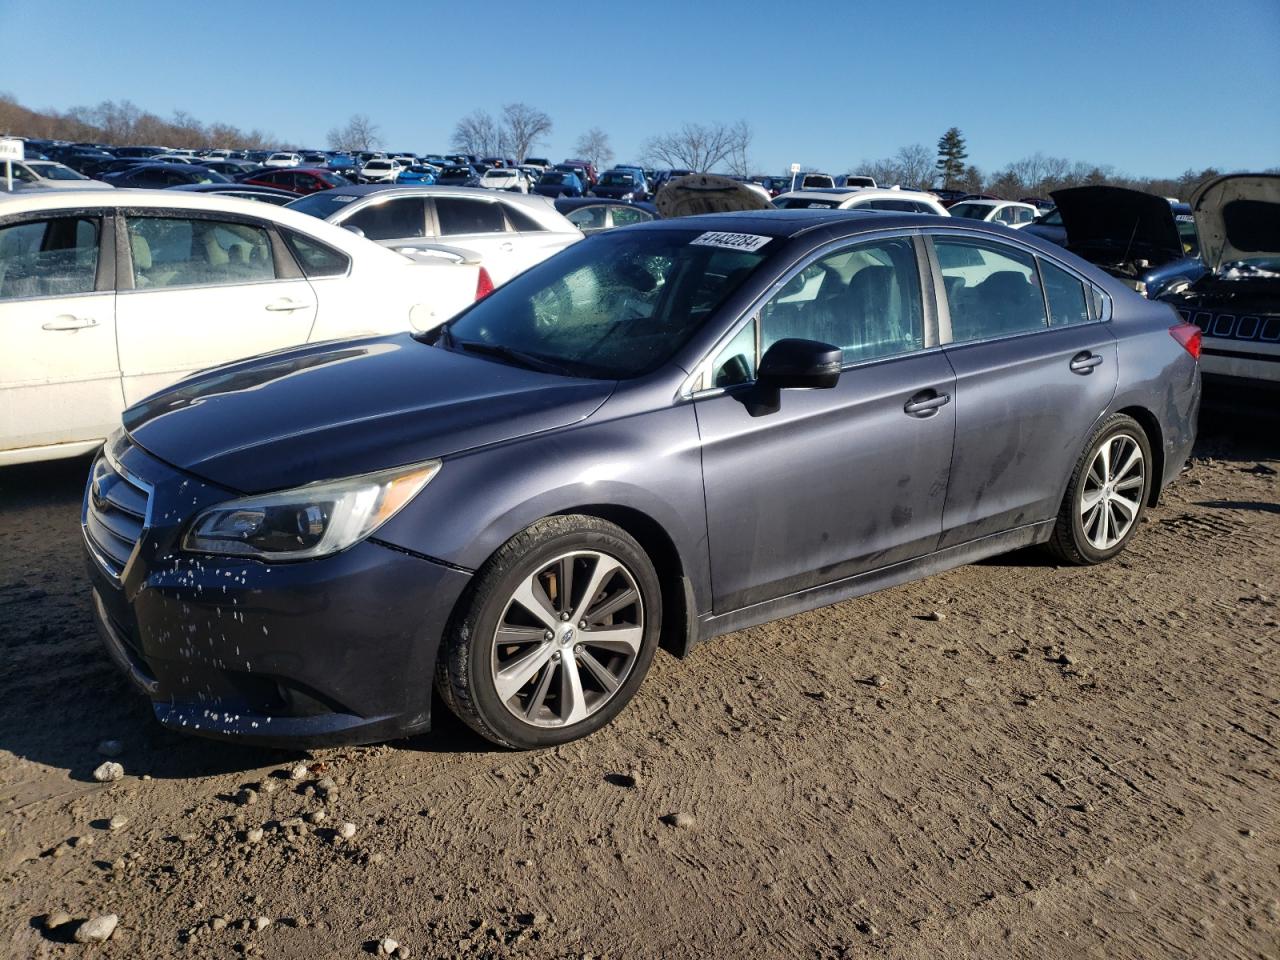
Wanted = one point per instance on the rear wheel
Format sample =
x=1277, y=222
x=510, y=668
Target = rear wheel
x=1106, y=496
x=556, y=635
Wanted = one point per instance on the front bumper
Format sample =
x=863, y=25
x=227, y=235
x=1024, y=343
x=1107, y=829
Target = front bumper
x=329, y=651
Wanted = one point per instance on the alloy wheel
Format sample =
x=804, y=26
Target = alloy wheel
x=567, y=639
x=1111, y=494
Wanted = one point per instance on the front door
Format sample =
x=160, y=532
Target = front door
x=1030, y=383
x=829, y=483
x=206, y=290
x=59, y=374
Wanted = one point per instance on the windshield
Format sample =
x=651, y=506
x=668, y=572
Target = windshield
x=550, y=179
x=971, y=211
x=377, y=165
x=56, y=171
x=805, y=203
x=456, y=172
x=616, y=305
x=1053, y=218
x=322, y=205
x=1187, y=234
x=617, y=180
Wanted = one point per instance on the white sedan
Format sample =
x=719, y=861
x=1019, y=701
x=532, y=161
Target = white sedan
x=508, y=232
x=861, y=198
x=283, y=160
x=381, y=170
x=108, y=297
x=505, y=178
x=48, y=175
x=1009, y=212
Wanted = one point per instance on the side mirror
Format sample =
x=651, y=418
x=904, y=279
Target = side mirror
x=800, y=364
x=353, y=228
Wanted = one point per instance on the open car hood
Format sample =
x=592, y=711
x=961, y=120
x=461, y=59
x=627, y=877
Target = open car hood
x=707, y=193
x=1112, y=223
x=1238, y=217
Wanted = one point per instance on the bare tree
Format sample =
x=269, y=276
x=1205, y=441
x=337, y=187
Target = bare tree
x=359, y=135
x=523, y=126
x=700, y=147
x=915, y=165
x=479, y=134
x=594, y=146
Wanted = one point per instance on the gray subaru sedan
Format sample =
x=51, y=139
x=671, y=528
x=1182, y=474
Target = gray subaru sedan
x=662, y=434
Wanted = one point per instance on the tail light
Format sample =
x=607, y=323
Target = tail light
x=484, y=287
x=1189, y=335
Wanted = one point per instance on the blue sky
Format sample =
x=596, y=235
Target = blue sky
x=1152, y=89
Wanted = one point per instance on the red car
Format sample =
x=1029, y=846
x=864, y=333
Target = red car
x=299, y=180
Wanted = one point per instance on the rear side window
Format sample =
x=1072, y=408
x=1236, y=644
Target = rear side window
x=625, y=216
x=182, y=252
x=458, y=216
x=521, y=221
x=992, y=290
x=316, y=259
x=1068, y=302
x=391, y=219
x=48, y=258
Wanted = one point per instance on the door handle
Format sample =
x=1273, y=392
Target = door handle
x=66, y=321
x=926, y=403
x=1083, y=363
x=506, y=246
x=286, y=306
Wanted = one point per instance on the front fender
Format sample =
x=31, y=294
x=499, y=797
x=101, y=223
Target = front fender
x=649, y=462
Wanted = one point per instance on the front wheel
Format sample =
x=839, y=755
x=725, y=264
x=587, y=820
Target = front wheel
x=555, y=636
x=1106, y=496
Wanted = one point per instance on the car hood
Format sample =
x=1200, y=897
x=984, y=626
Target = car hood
x=348, y=407
x=707, y=193
x=1110, y=223
x=1238, y=217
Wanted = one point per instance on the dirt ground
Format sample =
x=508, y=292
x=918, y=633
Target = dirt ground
x=1070, y=763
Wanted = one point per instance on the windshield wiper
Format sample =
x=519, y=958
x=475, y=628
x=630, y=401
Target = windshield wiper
x=530, y=361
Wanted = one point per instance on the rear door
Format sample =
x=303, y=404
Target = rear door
x=198, y=290
x=59, y=373
x=482, y=225
x=1035, y=368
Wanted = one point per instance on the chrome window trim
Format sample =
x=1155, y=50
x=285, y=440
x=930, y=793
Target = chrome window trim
x=702, y=369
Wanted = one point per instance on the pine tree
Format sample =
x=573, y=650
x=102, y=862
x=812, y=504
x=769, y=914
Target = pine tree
x=951, y=157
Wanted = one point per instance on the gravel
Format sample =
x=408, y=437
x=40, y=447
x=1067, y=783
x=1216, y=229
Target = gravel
x=97, y=929
x=109, y=772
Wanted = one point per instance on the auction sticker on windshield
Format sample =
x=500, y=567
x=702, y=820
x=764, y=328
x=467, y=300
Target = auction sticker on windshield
x=748, y=242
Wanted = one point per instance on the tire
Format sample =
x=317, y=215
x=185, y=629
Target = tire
x=584, y=657
x=1086, y=534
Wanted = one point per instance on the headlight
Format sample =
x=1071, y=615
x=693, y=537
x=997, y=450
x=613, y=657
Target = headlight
x=307, y=522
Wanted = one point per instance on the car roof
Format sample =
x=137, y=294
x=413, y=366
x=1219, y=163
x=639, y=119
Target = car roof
x=411, y=189
x=573, y=203
x=860, y=193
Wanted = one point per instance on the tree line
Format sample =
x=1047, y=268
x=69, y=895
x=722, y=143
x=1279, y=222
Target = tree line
x=124, y=123
x=517, y=129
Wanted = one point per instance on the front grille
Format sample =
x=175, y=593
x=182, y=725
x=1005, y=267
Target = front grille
x=115, y=514
x=1234, y=326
